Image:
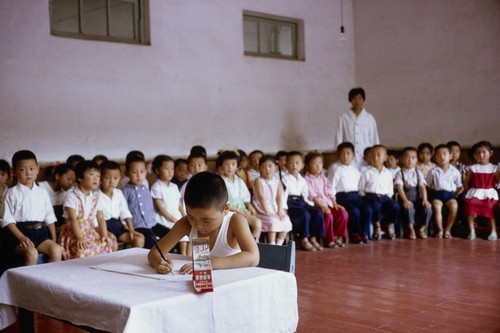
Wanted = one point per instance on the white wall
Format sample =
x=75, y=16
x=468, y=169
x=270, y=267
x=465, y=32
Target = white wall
x=193, y=85
x=431, y=69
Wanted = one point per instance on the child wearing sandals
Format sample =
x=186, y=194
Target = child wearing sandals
x=335, y=217
x=445, y=185
x=307, y=220
x=377, y=188
x=268, y=202
x=82, y=206
x=411, y=187
x=481, y=198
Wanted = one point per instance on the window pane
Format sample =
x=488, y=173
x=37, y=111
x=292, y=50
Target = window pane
x=286, y=40
x=121, y=22
x=250, y=36
x=64, y=15
x=94, y=17
x=266, y=37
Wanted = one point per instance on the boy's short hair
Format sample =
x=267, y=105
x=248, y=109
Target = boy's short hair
x=4, y=166
x=408, y=149
x=451, y=144
x=257, y=151
x=197, y=149
x=99, y=157
x=74, y=159
x=134, y=154
x=441, y=146
x=22, y=155
x=61, y=169
x=294, y=153
x=133, y=159
x=424, y=145
x=366, y=152
x=110, y=165
x=346, y=145
x=206, y=190
x=197, y=155
x=180, y=161
x=84, y=166
x=280, y=154
x=393, y=152
x=379, y=146
x=357, y=91
x=311, y=156
x=227, y=155
x=158, y=161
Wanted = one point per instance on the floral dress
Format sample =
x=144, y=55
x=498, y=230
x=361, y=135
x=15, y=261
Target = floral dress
x=94, y=244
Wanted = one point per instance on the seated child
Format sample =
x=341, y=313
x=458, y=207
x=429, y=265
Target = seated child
x=197, y=162
x=424, y=155
x=366, y=159
x=231, y=243
x=239, y=195
x=307, y=220
x=114, y=207
x=253, y=166
x=455, y=148
x=134, y=154
x=411, y=186
x=242, y=168
x=377, y=188
x=4, y=178
x=57, y=186
x=140, y=202
x=281, y=168
x=481, y=198
x=28, y=219
x=268, y=202
x=445, y=184
x=392, y=162
x=181, y=173
x=320, y=192
x=167, y=198
x=82, y=208
x=344, y=177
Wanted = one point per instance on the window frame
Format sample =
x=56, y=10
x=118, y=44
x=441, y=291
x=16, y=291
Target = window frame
x=298, y=50
x=141, y=25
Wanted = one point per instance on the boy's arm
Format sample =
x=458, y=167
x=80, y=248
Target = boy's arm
x=423, y=193
x=239, y=233
x=180, y=229
x=402, y=195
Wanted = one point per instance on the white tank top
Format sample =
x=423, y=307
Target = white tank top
x=221, y=247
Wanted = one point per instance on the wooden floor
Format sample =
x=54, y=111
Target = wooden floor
x=432, y=285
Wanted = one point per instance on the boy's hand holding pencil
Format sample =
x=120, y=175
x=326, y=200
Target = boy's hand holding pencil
x=164, y=265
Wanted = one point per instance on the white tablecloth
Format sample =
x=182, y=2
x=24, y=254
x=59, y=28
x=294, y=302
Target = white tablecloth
x=244, y=300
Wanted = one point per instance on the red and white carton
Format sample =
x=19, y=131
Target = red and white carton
x=202, y=266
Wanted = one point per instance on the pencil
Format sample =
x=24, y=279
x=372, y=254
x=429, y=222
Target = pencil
x=161, y=254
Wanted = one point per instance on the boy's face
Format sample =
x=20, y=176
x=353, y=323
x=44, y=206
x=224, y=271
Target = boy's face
x=409, y=159
x=66, y=180
x=267, y=169
x=346, y=156
x=229, y=167
x=378, y=156
x=197, y=165
x=357, y=102
x=454, y=153
x=206, y=220
x=110, y=179
x=294, y=164
x=181, y=172
x=137, y=173
x=254, y=160
x=26, y=172
x=316, y=166
x=4, y=177
x=425, y=155
x=91, y=180
x=166, y=171
x=442, y=157
x=392, y=162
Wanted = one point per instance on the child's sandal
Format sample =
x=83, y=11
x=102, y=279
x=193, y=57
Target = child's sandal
x=412, y=235
x=447, y=235
x=316, y=245
x=422, y=234
x=439, y=234
x=306, y=245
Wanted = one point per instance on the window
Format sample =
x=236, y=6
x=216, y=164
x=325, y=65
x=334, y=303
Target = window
x=123, y=21
x=273, y=36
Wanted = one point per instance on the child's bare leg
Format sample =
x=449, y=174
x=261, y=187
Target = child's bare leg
x=452, y=215
x=280, y=238
x=271, y=238
x=377, y=233
x=437, y=207
x=136, y=241
x=472, y=230
x=30, y=255
x=183, y=248
x=114, y=244
x=390, y=231
x=493, y=234
x=51, y=249
x=255, y=226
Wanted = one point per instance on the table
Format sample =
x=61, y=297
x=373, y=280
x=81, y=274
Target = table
x=244, y=300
